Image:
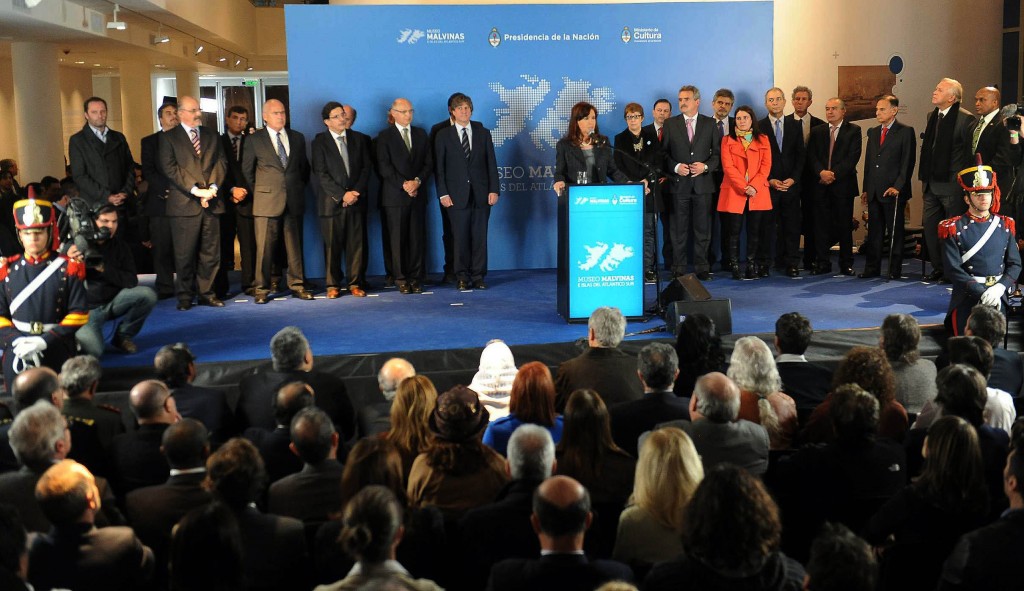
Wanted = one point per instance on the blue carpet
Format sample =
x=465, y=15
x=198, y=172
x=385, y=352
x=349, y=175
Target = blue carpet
x=519, y=308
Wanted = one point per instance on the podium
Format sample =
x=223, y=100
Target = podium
x=601, y=250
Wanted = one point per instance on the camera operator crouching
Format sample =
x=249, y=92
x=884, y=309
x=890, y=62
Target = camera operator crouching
x=113, y=288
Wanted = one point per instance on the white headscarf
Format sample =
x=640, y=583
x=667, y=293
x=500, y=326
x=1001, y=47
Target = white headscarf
x=493, y=382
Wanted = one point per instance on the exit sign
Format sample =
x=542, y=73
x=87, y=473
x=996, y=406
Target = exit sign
x=251, y=82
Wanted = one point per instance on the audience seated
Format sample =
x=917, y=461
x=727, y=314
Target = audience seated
x=176, y=366
x=206, y=551
x=311, y=495
x=868, y=368
x=93, y=426
x=374, y=418
x=493, y=381
x=561, y=516
x=137, y=461
x=38, y=383
x=75, y=554
x=840, y=561
x=667, y=474
x=603, y=366
x=731, y=534
x=717, y=432
x=926, y=517
x=986, y=558
x=805, y=382
x=979, y=354
x=657, y=369
x=154, y=510
x=274, y=556
x=915, y=377
x=372, y=531
x=699, y=349
x=532, y=401
x=989, y=324
x=13, y=550
x=457, y=472
x=500, y=530
x=292, y=360
x=761, y=401
x=410, y=416
x=275, y=446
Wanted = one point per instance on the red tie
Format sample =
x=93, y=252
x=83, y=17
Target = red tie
x=881, y=142
x=659, y=132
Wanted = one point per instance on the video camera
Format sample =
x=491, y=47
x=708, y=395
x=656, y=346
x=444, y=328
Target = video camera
x=1012, y=122
x=84, y=232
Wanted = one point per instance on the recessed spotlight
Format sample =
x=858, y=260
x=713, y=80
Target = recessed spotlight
x=222, y=59
x=95, y=65
x=199, y=48
x=80, y=62
x=238, y=61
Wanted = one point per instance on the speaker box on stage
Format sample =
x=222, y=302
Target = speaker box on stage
x=686, y=288
x=719, y=311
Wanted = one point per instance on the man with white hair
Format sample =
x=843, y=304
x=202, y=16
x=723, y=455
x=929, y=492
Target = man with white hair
x=375, y=418
x=603, y=367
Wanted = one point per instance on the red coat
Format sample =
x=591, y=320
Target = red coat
x=738, y=165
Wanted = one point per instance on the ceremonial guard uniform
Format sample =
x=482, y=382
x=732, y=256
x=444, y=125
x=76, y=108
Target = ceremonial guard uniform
x=42, y=299
x=981, y=256
x=93, y=428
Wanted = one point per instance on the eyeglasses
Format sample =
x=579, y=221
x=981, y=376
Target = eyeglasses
x=189, y=110
x=338, y=116
x=633, y=117
x=407, y=111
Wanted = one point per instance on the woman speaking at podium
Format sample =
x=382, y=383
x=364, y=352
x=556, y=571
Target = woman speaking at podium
x=583, y=156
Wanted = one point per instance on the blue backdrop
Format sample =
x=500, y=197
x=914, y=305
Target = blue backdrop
x=524, y=66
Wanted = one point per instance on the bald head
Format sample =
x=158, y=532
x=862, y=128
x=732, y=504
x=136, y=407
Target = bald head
x=561, y=509
x=36, y=383
x=274, y=114
x=291, y=398
x=718, y=397
x=986, y=100
x=401, y=110
x=67, y=493
x=350, y=111
x=152, y=403
x=189, y=112
x=391, y=375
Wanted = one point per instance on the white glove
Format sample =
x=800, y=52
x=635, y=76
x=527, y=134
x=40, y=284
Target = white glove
x=26, y=347
x=993, y=295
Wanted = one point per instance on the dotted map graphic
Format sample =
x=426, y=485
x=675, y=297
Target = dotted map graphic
x=521, y=104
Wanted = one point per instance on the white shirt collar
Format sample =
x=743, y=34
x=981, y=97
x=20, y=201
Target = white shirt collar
x=790, y=357
x=337, y=135
x=177, y=472
x=188, y=129
x=945, y=111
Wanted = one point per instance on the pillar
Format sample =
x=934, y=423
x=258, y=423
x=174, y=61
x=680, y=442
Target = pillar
x=187, y=83
x=37, y=110
x=137, y=116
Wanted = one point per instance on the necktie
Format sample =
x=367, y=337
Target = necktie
x=721, y=128
x=281, y=151
x=465, y=143
x=977, y=136
x=805, y=126
x=660, y=129
x=195, y=142
x=778, y=133
x=343, y=147
x=935, y=135
x=405, y=137
x=234, y=147
x=689, y=129
x=831, y=144
x=102, y=134
x=881, y=142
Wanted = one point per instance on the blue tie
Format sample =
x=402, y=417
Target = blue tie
x=280, y=150
x=778, y=133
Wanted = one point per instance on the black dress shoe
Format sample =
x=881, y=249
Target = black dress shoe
x=935, y=275
x=274, y=286
x=869, y=274
x=848, y=271
x=822, y=270
x=389, y=281
x=184, y=305
x=895, y=275
x=704, y=276
x=302, y=294
x=736, y=273
x=650, y=277
x=261, y=298
x=479, y=284
x=125, y=344
x=751, y=272
x=448, y=278
x=405, y=288
x=213, y=302
x=763, y=271
x=462, y=285
x=417, y=287
x=792, y=271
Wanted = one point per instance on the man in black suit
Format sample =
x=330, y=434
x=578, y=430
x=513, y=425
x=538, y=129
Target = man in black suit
x=603, y=367
x=692, y=146
x=341, y=164
x=660, y=112
x=192, y=158
x=446, y=225
x=176, y=366
x=721, y=106
x=93, y=427
x=154, y=204
x=275, y=167
x=237, y=200
x=991, y=138
x=136, y=456
x=154, y=510
x=561, y=517
x=787, y=141
x=888, y=170
x=310, y=495
x=657, y=368
x=374, y=417
x=802, y=99
x=404, y=161
x=944, y=153
x=833, y=153
x=1007, y=372
x=101, y=161
x=467, y=185
x=274, y=444
x=806, y=383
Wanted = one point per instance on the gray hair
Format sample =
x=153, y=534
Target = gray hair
x=956, y=87
x=752, y=367
x=35, y=432
x=78, y=374
x=657, y=364
x=842, y=103
x=717, y=403
x=391, y=375
x=288, y=348
x=609, y=326
x=531, y=453
x=797, y=89
x=693, y=89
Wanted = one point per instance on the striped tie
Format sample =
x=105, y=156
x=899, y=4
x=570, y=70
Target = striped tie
x=195, y=141
x=281, y=151
x=465, y=143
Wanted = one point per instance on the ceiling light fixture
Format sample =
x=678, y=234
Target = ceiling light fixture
x=199, y=48
x=117, y=24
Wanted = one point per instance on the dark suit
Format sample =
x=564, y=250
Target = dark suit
x=279, y=197
x=889, y=164
x=99, y=168
x=987, y=558
x=209, y=406
x=691, y=195
x=608, y=371
x=273, y=447
x=196, y=228
x=236, y=220
x=258, y=391
x=806, y=383
x=81, y=557
x=446, y=225
x=666, y=203
x=945, y=151
x=311, y=495
x=632, y=419
x=556, y=572
x=468, y=182
x=19, y=489
x=405, y=214
x=631, y=162
x=374, y=418
x=996, y=151
x=93, y=429
x=275, y=556
x=154, y=209
x=137, y=460
x=342, y=225
x=833, y=203
x=741, y=442
x=807, y=190
x=787, y=163
x=491, y=533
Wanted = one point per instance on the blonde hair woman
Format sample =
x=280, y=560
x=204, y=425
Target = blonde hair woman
x=410, y=412
x=667, y=474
